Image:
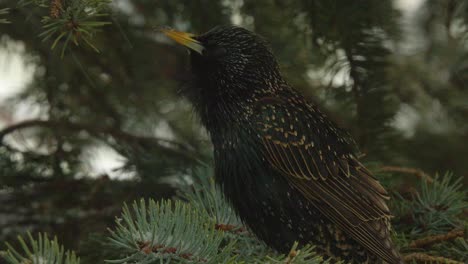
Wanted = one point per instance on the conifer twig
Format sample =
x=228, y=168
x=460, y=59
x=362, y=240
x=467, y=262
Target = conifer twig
x=55, y=8
x=430, y=240
x=4, y=11
x=417, y=172
x=425, y=258
x=292, y=254
x=230, y=228
x=179, y=148
x=146, y=248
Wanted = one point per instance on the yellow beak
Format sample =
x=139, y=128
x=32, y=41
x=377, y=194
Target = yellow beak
x=185, y=39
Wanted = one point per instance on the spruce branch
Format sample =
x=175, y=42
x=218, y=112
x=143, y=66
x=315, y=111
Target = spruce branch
x=74, y=21
x=430, y=240
x=168, y=231
x=98, y=131
x=434, y=209
x=426, y=258
x=361, y=41
x=455, y=249
x=39, y=3
x=4, y=11
x=40, y=250
x=442, y=201
x=206, y=197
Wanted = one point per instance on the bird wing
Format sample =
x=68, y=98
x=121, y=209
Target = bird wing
x=305, y=147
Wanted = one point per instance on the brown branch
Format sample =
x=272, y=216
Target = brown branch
x=430, y=240
x=230, y=228
x=417, y=172
x=147, y=248
x=357, y=94
x=425, y=258
x=180, y=149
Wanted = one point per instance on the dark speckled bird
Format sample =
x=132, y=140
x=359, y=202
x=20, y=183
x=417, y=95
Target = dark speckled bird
x=283, y=165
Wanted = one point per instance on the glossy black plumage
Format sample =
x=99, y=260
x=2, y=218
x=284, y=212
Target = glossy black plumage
x=283, y=164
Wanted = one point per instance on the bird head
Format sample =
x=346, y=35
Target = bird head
x=229, y=56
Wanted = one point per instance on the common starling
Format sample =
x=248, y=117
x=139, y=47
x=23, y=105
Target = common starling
x=285, y=167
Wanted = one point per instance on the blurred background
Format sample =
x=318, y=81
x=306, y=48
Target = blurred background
x=90, y=114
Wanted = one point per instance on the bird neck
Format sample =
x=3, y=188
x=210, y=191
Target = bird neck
x=224, y=106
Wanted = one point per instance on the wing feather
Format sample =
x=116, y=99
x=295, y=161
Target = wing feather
x=318, y=163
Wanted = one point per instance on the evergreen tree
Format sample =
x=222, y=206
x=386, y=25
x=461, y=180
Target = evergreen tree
x=105, y=78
